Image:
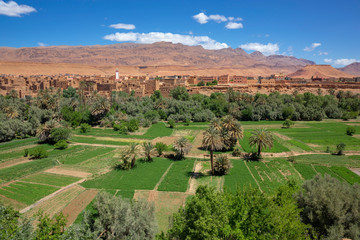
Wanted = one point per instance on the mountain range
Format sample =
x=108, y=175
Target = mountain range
x=159, y=58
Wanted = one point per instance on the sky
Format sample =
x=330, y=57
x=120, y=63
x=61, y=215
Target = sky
x=325, y=31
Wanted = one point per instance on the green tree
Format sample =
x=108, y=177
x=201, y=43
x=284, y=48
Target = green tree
x=221, y=165
x=116, y=218
x=350, y=130
x=13, y=226
x=262, y=138
x=160, y=147
x=180, y=93
x=61, y=133
x=148, y=150
x=50, y=228
x=182, y=146
x=340, y=148
x=331, y=207
x=231, y=131
x=171, y=123
x=84, y=128
x=132, y=152
x=212, y=141
x=288, y=123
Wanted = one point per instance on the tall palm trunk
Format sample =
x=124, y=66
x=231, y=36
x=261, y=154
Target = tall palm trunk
x=259, y=151
x=212, y=161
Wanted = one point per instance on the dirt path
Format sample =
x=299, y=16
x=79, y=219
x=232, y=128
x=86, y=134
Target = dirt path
x=162, y=177
x=283, y=137
x=19, y=148
x=62, y=171
x=192, y=182
x=14, y=162
x=356, y=171
x=98, y=145
x=50, y=196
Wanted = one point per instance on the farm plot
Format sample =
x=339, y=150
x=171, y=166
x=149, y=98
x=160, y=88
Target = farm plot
x=143, y=176
x=90, y=152
x=277, y=146
x=328, y=159
x=306, y=170
x=100, y=140
x=17, y=143
x=51, y=179
x=17, y=153
x=326, y=170
x=346, y=174
x=177, y=179
x=27, y=193
x=238, y=177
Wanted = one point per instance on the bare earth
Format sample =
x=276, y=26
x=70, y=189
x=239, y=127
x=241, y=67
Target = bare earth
x=60, y=170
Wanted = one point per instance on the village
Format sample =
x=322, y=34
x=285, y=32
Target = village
x=140, y=86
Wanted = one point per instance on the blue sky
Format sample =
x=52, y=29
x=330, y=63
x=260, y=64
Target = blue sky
x=318, y=30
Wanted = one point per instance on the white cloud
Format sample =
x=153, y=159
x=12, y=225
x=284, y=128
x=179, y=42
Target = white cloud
x=152, y=37
x=323, y=53
x=123, y=26
x=12, y=9
x=341, y=62
x=266, y=49
x=201, y=18
x=312, y=47
x=234, y=25
x=41, y=44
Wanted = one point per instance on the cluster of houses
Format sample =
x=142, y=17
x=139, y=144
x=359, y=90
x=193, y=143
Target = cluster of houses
x=137, y=85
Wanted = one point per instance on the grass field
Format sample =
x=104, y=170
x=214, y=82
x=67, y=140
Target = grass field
x=143, y=176
x=176, y=180
x=239, y=176
x=328, y=159
x=27, y=193
x=88, y=153
x=17, y=143
x=306, y=170
x=51, y=179
x=346, y=174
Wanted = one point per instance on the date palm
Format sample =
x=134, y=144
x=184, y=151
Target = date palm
x=182, y=146
x=132, y=152
x=262, y=138
x=212, y=141
x=11, y=112
x=232, y=131
x=216, y=124
x=148, y=150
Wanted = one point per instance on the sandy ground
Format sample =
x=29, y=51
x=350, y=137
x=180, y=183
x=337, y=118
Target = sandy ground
x=283, y=137
x=14, y=162
x=75, y=207
x=60, y=170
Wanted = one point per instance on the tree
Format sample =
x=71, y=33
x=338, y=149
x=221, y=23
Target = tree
x=180, y=93
x=246, y=214
x=61, y=133
x=182, y=146
x=84, y=128
x=171, y=123
x=340, y=148
x=132, y=152
x=221, y=165
x=350, y=130
x=43, y=132
x=50, y=228
x=288, y=123
x=116, y=218
x=148, y=150
x=13, y=226
x=212, y=141
x=160, y=147
x=231, y=131
x=262, y=138
x=331, y=207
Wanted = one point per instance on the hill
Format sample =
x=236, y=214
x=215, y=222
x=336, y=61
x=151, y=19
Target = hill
x=323, y=71
x=155, y=55
x=353, y=69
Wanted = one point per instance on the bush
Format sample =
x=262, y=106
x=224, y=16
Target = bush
x=236, y=152
x=62, y=144
x=221, y=165
x=38, y=153
x=60, y=133
x=350, y=130
x=171, y=123
x=84, y=127
x=116, y=127
x=340, y=148
x=26, y=152
x=160, y=148
x=288, y=123
x=132, y=125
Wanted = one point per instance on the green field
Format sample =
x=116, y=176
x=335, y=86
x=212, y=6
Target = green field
x=17, y=143
x=27, y=193
x=88, y=153
x=143, y=176
x=239, y=176
x=176, y=180
x=51, y=179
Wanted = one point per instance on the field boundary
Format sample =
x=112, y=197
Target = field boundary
x=162, y=177
x=253, y=176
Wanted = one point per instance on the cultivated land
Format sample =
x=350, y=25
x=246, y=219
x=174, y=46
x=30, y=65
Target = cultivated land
x=68, y=180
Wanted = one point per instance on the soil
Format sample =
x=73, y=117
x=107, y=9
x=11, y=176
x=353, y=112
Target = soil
x=283, y=137
x=14, y=162
x=76, y=206
x=11, y=202
x=60, y=170
x=166, y=140
x=193, y=183
x=355, y=170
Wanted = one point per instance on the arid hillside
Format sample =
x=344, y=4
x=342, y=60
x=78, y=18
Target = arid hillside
x=322, y=71
x=156, y=54
x=353, y=69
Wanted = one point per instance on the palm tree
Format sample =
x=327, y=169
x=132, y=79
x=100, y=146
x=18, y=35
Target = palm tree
x=182, y=147
x=216, y=124
x=262, y=138
x=149, y=150
x=11, y=112
x=43, y=131
x=212, y=140
x=232, y=131
x=132, y=152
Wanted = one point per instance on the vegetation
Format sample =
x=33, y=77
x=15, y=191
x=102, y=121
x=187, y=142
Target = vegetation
x=62, y=144
x=38, y=153
x=212, y=140
x=262, y=138
x=148, y=150
x=160, y=148
x=182, y=146
x=84, y=128
x=221, y=165
x=340, y=148
x=351, y=130
x=288, y=123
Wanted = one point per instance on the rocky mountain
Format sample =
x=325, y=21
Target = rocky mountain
x=322, y=71
x=353, y=69
x=154, y=55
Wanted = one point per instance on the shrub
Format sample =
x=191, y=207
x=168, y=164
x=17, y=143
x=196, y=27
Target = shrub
x=340, y=148
x=132, y=125
x=116, y=127
x=38, y=153
x=327, y=149
x=221, y=165
x=291, y=159
x=84, y=127
x=187, y=122
x=288, y=123
x=57, y=134
x=62, y=144
x=160, y=148
x=236, y=152
x=350, y=130
x=171, y=123
x=26, y=152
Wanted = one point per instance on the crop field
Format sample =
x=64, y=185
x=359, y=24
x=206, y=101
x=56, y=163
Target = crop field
x=91, y=157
